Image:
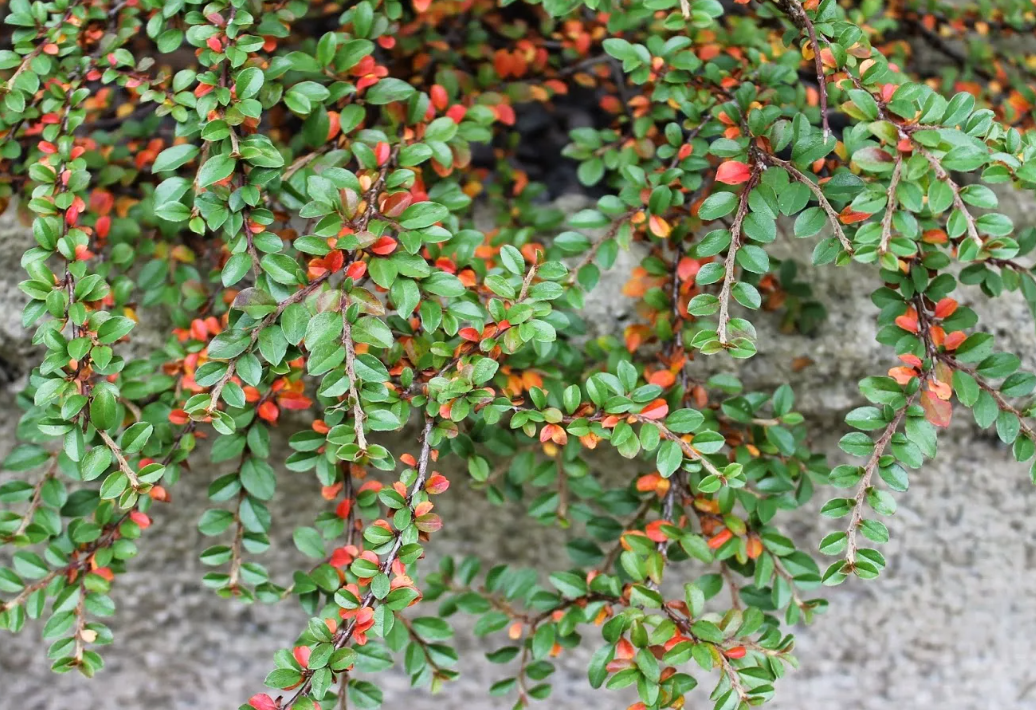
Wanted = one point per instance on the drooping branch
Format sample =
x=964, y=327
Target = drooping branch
x=730, y=261
x=345, y=633
x=797, y=14
x=859, y=500
x=890, y=206
x=825, y=204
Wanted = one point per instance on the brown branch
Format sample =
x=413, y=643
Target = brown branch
x=890, y=206
x=526, y=283
x=1001, y=402
x=84, y=555
x=350, y=372
x=235, y=548
x=596, y=246
x=832, y=214
x=958, y=201
x=797, y=14
x=728, y=670
x=345, y=633
x=296, y=297
x=728, y=578
x=728, y=268
x=868, y=474
x=37, y=498
x=907, y=133
x=123, y=464
x=688, y=450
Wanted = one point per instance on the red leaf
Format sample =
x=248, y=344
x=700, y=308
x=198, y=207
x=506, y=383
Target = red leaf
x=687, y=269
x=262, y=701
x=382, y=152
x=733, y=172
x=384, y=246
x=301, y=654
x=356, y=270
x=849, y=216
x=902, y=375
x=438, y=483
x=294, y=400
x=268, y=412
x=343, y=508
x=659, y=227
x=142, y=520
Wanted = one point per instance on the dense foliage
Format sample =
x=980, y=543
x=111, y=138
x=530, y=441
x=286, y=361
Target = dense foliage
x=291, y=186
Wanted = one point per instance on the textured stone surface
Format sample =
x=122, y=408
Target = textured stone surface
x=949, y=626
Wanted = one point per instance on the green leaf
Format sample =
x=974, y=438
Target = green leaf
x=423, y=214
x=103, y=408
x=372, y=331
x=173, y=157
x=248, y=82
x=309, y=542
x=216, y=168
x=716, y=205
x=388, y=90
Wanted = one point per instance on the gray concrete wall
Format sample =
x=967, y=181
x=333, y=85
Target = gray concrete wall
x=951, y=625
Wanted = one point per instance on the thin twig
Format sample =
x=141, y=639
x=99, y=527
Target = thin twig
x=596, y=246
x=890, y=206
x=868, y=473
x=797, y=14
x=687, y=449
x=729, y=262
x=345, y=633
x=123, y=464
x=350, y=372
x=37, y=498
x=832, y=214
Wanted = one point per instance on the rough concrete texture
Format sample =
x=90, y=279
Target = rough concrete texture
x=948, y=626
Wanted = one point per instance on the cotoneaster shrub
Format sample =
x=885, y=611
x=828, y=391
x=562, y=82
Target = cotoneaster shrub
x=291, y=186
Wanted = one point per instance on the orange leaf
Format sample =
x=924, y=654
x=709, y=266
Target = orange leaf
x=662, y=378
x=687, y=269
x=940, y=389
x=908, y=321
x=733, y=172
x=654, y=531
x=848, y=216
x=954, y=339
x=655, y=410
x=437, y=484
x=902, y=375
x=659, y=227
x=648, y=482
x=717, y=540
x=268, y=412
x=945, y=308
x=936, y=411
x=911, y=359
